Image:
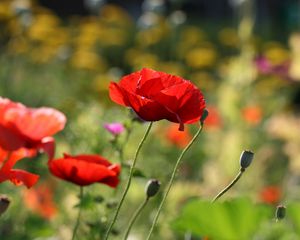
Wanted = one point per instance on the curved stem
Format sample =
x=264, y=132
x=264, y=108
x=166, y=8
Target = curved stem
x=134, y=217
x=172, y=179
x=242, y=170
x=79, y=214
x=128, y=181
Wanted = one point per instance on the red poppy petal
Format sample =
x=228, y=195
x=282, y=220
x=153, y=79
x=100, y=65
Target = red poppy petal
x=48, y=146
x=117, y=94
x=130, y=81
x=78, y=171
x=19, y=177
x=37, y=123
x=148, y=109
x=92, y=158
x=9, y=139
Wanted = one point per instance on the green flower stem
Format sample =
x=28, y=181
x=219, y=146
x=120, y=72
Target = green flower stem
x=172, y=180
x=79, y=213
x=128, y=181
x=230, y=185
x=134, y=217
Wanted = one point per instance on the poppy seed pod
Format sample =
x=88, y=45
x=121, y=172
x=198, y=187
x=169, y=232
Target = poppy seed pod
x=246, y=159
x=204, y=115
x=280, y=212
x=4, y=203
x=152, y=187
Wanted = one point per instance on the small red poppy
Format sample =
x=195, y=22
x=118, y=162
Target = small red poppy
x=85, y=170
x=157, y=95
x=21, y=126
x=16, y=176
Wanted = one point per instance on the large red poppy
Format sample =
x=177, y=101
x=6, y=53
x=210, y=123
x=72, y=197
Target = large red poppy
x=21, y=126
x=157, y=95
x=85, y=170
x=16, y=176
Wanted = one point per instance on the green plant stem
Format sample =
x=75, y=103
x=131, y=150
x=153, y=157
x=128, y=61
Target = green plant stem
x=242, y=170
x=172, y=180
x=128, y=181
x=134, y=217
x=79, y=214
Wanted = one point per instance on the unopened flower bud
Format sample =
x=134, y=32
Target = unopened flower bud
x=246, y=159
x=204, y=115
x=152, y=187
x=4, y=203
x=280, y=212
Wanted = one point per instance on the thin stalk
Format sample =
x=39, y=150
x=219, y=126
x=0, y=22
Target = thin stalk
x=128, y=181
x=172, y=180
x=134, y=217
x=230, y=185
x=79, y=214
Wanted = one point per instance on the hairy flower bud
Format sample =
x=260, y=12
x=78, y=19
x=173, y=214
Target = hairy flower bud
x=280, y=212
x=4, y=203
x=246, y=159
x=152, y=187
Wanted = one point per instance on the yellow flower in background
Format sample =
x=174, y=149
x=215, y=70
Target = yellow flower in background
x=204, y=80
x=115, y=15
x=201, y=57
x=88, y=60
x=139, y=59
x=5, y=10
x=276, y=53
x=229, y=37
x=173, y=68
x=88, y=33
x=294, y=43
x=43, y=27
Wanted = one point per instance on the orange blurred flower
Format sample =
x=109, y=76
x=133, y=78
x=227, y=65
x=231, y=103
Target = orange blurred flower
x=40, y=200
x=252, y=114
x=176, y=137
x=270, y=194
x=213, y=120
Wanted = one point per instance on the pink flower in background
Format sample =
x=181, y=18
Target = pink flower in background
x=264, y=66
x=114, y=128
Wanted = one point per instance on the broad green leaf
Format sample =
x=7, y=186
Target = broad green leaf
x=230, y=220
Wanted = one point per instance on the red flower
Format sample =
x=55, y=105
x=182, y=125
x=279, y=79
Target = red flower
x=270, y=195
x=157, y=95
x=85, y=170
x=252, y=114
x=28, y=127
x=16, y=176
x=40, y=200
x=178, y=138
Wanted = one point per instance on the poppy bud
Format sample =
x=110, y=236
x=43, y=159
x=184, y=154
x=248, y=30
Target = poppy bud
x=152, y=187
x=204, y=115
x=280, y=212
x=4, y=203
x=246, y=159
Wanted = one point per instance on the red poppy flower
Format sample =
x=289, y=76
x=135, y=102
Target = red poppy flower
x=28, y=127
x=16, y=176
x=270, y=194
x=157, y=95
x=40, y=200
x=252, y=114
x=178, y=138
x=85, y=170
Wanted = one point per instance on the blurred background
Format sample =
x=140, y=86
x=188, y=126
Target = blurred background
x=244, y=56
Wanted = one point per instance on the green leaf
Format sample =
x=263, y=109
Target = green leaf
x=138, y=173
x=231, y=220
